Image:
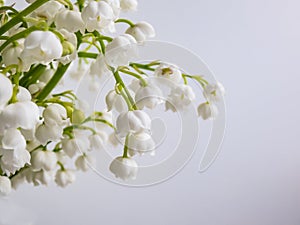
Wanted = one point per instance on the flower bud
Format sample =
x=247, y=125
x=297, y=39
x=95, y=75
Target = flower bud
x=124, y=168
x=68, y=48
x=77, y=116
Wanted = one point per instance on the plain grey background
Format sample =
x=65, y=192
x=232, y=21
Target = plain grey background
x=253, y=48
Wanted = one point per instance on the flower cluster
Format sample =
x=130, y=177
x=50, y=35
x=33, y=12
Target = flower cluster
x=46, y=135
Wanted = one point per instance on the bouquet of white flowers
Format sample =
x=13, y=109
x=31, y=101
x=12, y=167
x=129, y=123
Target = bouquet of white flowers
x=45, y=134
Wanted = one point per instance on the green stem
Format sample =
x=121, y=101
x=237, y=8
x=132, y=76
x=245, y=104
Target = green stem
x=120, y=81
x=53, y=82
x=16, y=79
x=19, y=17
x=130, y=23
x=8, y=8
x=125, y=153
x=18, y=36
x=33, y=75
x=144, y=82
x=89, y=55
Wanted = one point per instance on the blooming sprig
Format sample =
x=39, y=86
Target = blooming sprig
x=46, y=134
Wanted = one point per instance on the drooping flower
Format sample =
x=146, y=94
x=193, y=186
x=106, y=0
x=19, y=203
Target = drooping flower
x=141, y=143
x=99, y=67
x=121, y=50
x=74, y=146
x=207, y=110
x=85, y=162
x=45, y=133
x=141, y=31
x=133, y=122
x=214, y=92
x=19, y=115
x=40, y=47
x=70, y=20
x=5, y=185
x=41, y=177
x=69, y=47
x=149, y=96
x=43, y=160
x=116, y=101
x=97, y=16
x=11, y=54
x=129, y=5
x=180, y=97
x=48, y=11
x=55, y=114
x=65, y=177
x=124, y=168
x=169, y=72
x=6, y=90
x=97, y=141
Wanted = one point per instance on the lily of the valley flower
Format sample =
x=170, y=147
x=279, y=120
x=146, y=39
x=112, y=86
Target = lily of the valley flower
x=214, y=92
x=97, y=141
x=5, y=185
x=45, y=133
x=97, y=16
x=116, y=101
x=85, y=162
x=74, y=146
x=124, y=168
x=121, y=50
x=207, y=110
x=70, y=20
x=99, y=68
x=180, y=97
x=6, y=90
x=43, y=160
x=133, y=122
x=141, y=143
x=129, y=5
x=65, y=177
x=141, y=31
x=55, y=114
x=169, y=72
x=41, y=177
x=149, y=96
x=11, y=54
x=48, y=11
x=40, y=47
x=19, y=115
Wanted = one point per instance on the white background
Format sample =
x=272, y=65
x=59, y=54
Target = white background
x=253, y=48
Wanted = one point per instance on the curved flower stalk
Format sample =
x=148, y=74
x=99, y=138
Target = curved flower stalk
x=46, y=135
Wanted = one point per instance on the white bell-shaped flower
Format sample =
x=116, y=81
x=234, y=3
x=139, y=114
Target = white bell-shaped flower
x=97, y=16
x=70, y=43
x=13, y=139
x=149, y=96
x=141, y=143
x=40, y=47
x=98, y=141
x=17, y=180
x=48, y=11
x=180, y=97
x=43, y=160
x=169, y=72
x=6, y=90
x=207, y=110
x=214, y=92
x=116, y=101
x=20, y=114
x=124, y=168
x=141, y=31
x=45, y=133
x=121, y=50
x=12, y=53
x=5, y=186
x=133, y=122
x=41, y=177
x=12, y=161
x=65, y=177
x=70, y=20
x=99, y=68
x=85, y=162
x=74, y=146
x=23, y=95
x=129, y=5
x=55, y=114
x=115, y=5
